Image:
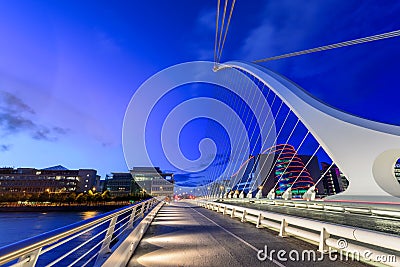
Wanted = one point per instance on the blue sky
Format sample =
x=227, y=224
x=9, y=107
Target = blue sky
x=69, y=68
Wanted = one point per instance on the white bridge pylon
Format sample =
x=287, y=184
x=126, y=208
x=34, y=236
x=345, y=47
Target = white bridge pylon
x=364, y=150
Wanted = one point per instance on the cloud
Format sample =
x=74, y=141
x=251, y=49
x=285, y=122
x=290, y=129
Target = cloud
x=16, y=116
x=13, y=103
x=206, y=20
x=204, y=31
x=4, y=148
x=278, y=32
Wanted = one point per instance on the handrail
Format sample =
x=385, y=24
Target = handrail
x=323, y=233
x=34, y=245
x=387, y=210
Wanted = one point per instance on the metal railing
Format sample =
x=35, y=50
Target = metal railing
x=385, y=210
x=86, y=243
x=367, y=244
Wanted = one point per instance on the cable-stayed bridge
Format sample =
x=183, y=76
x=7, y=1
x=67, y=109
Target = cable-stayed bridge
x=262, y=206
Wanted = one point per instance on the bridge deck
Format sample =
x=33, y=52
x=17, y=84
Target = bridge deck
x=186, y=235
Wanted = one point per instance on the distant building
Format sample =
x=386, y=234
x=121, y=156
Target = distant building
x=153, y=181
x=57, y=179
x=121, y=184
x=100, y=184
x=314, y=170
x=281, y=168
x=242, y=178
x=334, y=181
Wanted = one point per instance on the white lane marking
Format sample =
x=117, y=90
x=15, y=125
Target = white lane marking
x=238, y=238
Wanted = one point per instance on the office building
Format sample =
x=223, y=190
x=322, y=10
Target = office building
x=333, y=181
x=57, y=179
x=153, y=181
x=121, y=184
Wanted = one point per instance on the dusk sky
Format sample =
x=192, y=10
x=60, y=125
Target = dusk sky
x=68, y=69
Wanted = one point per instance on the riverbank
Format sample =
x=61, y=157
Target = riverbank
x=63, y=208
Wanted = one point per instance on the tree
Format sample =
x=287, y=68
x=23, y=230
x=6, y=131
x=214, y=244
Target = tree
x=71, y=198
x=81, y=198
x=106, y=196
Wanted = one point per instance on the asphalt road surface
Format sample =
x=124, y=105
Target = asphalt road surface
x=186, y=235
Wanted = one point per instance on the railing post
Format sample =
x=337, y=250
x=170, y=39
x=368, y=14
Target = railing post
x=105, y=247
x=323, y=247
x=132, y=217
x=30, y=259
x=282, y=230
x=224, y=211
x=142, y=209
x=233, y=213
x=260, y=217
x=244, y=216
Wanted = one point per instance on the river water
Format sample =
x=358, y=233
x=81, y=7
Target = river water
x=16, y=226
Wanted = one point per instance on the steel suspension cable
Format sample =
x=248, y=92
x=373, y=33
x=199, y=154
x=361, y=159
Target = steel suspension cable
x=247, y=115
x=305, y=167
x=226, y=30
x=322, y=176
x=234, y=78
x=280, y=153
x=223, y=78
x=279, y=132
x=242, y=109
x=252, y=134
x=216, y=32
x=222, y=29
x=333, y=46
x=290, y=161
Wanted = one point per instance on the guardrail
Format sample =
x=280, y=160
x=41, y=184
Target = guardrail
x=350, y=207
x=366, y=244
x=86, y=243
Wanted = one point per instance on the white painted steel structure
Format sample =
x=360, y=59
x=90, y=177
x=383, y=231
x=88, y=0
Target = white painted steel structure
x=326, y=235
x=364, y=150
x=382, y=210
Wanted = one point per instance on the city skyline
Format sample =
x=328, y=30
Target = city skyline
x=69, y=69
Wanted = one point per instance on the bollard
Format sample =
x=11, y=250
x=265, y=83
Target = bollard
x=324, y=235
x=260, y=217
x=244, y=216
x=282, y=230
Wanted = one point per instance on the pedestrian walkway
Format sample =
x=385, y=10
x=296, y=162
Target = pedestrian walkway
x=186, y=235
